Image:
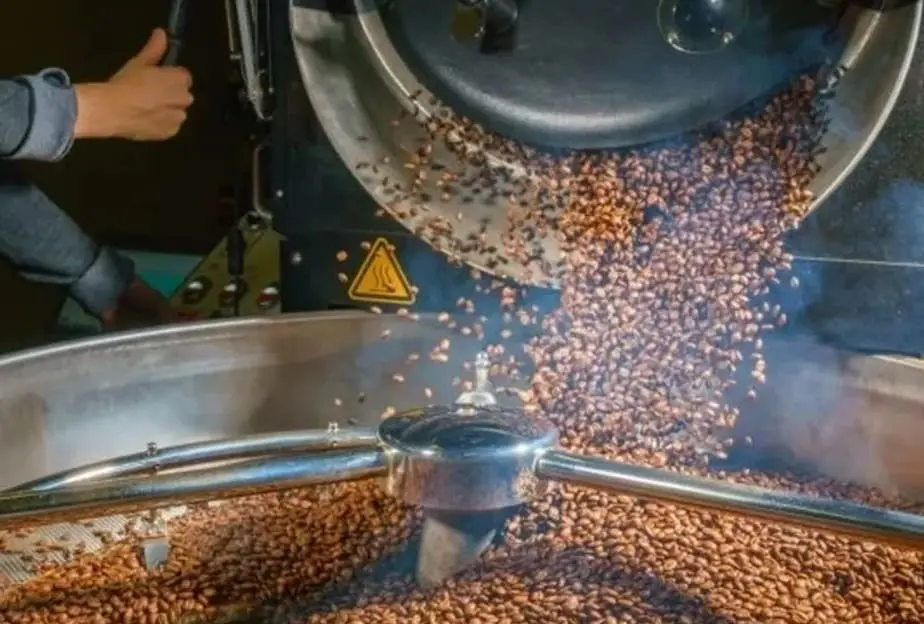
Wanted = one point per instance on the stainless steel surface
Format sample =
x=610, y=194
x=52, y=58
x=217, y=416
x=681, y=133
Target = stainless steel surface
x=702, y=26
x=448, y=544
x=155, y=552
x=854, y=418
x=482, y=459
x=155, y=459
x=155, y=547
x=358, y=86
x=476, y=459
x=459, y=458
x=463, y=458
x=77, y=403
x=869, y=523
x=131, y=494
x=446, y=550
x=482, y=393
x=243, y=14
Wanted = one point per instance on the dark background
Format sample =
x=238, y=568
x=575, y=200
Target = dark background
x=152, y=197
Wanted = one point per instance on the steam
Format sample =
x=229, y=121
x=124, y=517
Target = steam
x=826, y=415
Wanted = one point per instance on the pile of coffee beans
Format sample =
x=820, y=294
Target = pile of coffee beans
x=672, y=254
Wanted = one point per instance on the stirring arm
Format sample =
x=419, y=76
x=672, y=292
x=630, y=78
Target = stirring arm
x=845, y=518
x=119, y=496
x=156, y=459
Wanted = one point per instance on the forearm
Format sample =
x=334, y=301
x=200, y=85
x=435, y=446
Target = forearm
x=37, y=116
x=95, y=118
x=47, y=246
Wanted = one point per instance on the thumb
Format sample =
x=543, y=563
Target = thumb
x=154, y=50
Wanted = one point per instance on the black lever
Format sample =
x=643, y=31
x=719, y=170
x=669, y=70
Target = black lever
x=497, y=22
x=176, y=31
x=500, y=25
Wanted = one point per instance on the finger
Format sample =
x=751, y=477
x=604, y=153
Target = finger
x=177, y=97
x=176, y=77
x=174, y=120
x=183, y=100
x=185, y=75
x=154, y=50
x=165, y=125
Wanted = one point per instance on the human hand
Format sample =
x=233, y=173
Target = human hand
x=139, y=306
x=143, y=101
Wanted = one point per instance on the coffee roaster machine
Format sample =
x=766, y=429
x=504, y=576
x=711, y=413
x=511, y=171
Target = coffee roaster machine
x=219, y=408
x=323, y=111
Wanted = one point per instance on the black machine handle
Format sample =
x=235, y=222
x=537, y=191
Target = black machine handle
x=498, y=20
x=176, y=31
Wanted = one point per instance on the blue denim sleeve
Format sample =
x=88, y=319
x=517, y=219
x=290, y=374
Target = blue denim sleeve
x=45, y=245
x=37, y=115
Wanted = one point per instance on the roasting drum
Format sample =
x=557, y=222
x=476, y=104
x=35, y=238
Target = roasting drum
x=852, y=417
x=358, y=86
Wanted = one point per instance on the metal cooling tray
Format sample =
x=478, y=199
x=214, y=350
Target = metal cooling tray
x=854, y=418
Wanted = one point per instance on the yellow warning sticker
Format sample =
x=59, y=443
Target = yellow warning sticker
x=380, y=279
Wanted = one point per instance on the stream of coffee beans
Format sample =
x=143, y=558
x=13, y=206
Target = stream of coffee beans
x=671, y=254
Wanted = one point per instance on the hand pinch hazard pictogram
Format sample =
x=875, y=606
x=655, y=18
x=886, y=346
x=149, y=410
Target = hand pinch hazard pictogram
x=381, y=279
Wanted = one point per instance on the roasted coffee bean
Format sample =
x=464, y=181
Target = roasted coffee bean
x=670, y=252
x=240, y=553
